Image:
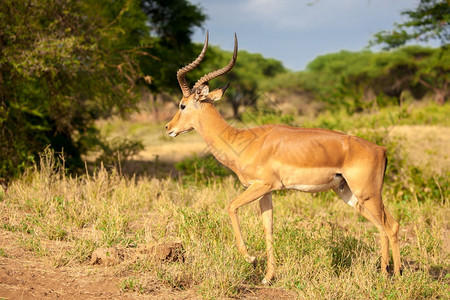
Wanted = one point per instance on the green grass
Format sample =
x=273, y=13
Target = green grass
x=412, y=113
x=132, y=284
x=3, y=253
x=323, y=249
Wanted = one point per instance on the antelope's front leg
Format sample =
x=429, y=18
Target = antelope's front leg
x=253, y=192
x=266, y=206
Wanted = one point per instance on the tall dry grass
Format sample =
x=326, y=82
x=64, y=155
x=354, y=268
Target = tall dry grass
x=323, y=248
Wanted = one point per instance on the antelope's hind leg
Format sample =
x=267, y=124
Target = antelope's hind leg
x=375, y=208
x=374, y=211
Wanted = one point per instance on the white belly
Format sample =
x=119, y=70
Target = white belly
x=315, y=188
x=310, y=188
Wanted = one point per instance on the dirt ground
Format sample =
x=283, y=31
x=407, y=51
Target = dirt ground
x=23, y=275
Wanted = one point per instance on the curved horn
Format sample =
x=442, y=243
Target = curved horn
x=181, y=72
x=222, y=71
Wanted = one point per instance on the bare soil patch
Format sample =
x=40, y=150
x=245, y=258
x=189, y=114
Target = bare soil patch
x=23, y=275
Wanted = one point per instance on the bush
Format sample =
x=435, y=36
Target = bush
x=202, y=169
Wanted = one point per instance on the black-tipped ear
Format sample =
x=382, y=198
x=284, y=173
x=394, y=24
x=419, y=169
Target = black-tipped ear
x=217, y=94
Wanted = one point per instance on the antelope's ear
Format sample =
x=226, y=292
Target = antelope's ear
x=217, y=94
x=202, y=92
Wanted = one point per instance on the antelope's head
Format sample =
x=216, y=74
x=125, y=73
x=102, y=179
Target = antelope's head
x=188, y=113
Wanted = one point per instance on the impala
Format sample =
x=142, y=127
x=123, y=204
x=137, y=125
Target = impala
x=275, y=157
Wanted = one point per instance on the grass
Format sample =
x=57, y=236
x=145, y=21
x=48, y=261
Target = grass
x=3, y=253
x=323, y=249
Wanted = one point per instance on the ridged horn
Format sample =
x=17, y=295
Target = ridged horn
x=181, y=72
x=217, y=73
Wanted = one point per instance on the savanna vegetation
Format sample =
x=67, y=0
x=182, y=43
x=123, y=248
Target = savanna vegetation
x=85, y=88
x=323, y=248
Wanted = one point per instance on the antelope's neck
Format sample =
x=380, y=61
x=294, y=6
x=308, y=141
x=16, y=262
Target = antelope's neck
x=219, y=136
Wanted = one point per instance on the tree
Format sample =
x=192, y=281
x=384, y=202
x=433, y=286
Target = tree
x=430, y=20
x=173, y=20
x=357, y=80
x=433, y=73
x=64, y=64
x=172, y=23
x=246, y=78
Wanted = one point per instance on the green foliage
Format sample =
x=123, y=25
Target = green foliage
x=341, y=78
x=246, y=79
x=430, y=20
x=247, y=76
x=119, y=149
x=202, y=169
x=363, y=80
x=266, y=111
x=172, y=22
x=65, y=64
x=342, y=120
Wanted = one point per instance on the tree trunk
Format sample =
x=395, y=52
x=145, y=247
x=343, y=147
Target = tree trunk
x=440, y=97
x=155, y=107
x=440, y=94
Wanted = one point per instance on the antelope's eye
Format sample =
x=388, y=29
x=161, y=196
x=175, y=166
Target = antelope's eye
x=182, y=106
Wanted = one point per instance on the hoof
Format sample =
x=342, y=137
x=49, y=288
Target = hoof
x=265, y=281
x=251, y=260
